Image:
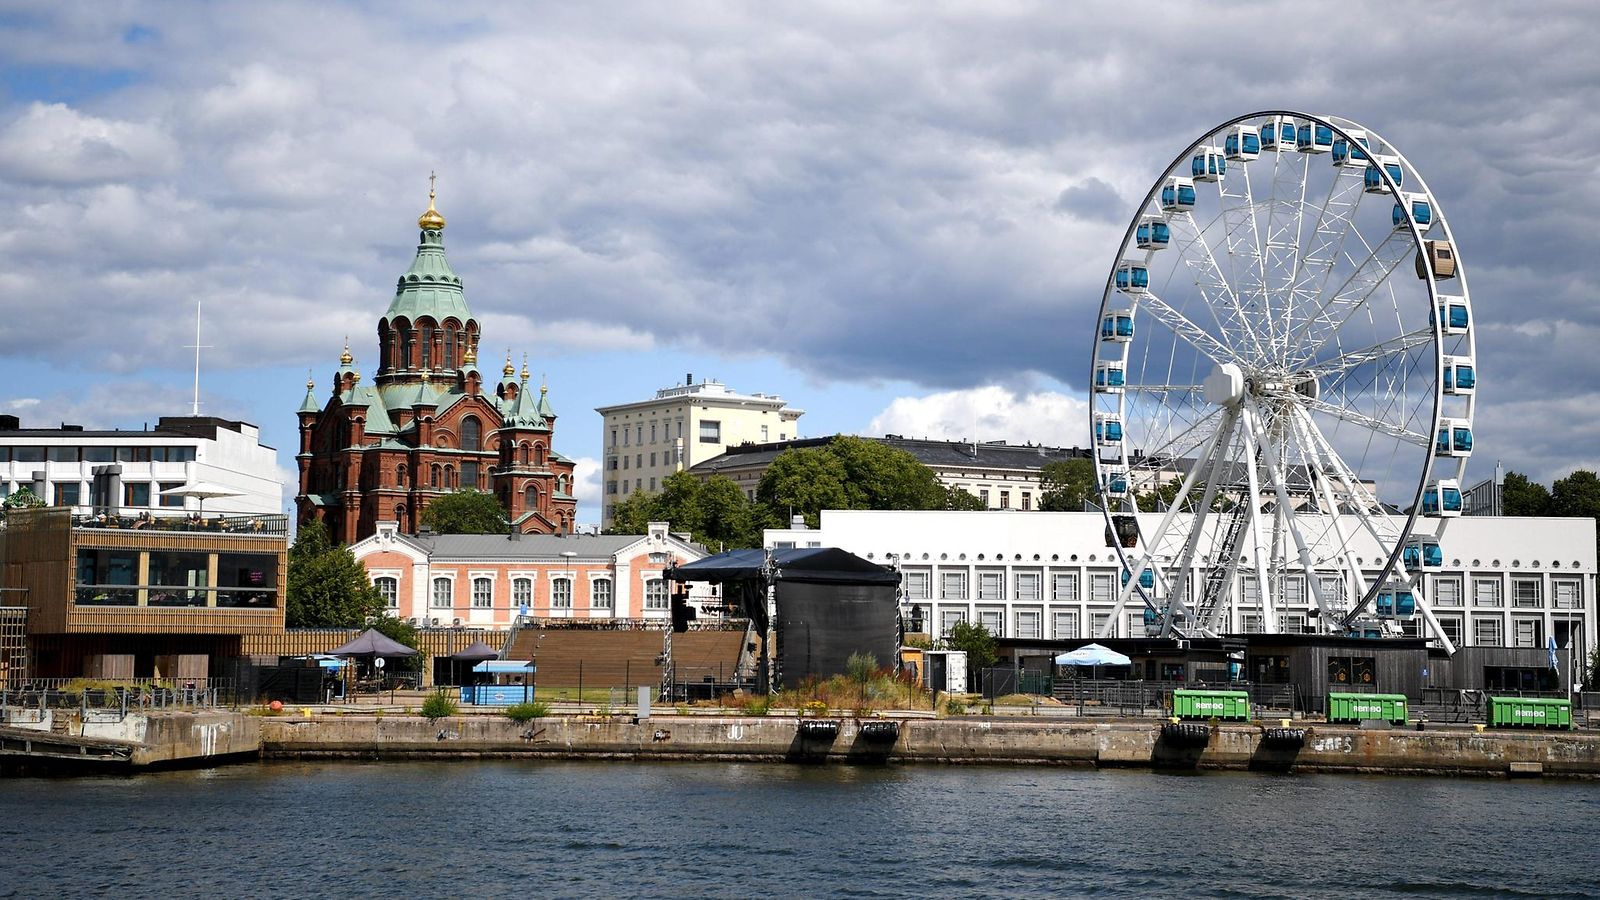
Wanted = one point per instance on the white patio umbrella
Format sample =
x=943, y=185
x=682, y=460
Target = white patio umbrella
x=201, y=490
x=1093, y=655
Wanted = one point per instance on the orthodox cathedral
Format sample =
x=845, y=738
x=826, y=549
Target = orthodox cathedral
x=429, y=423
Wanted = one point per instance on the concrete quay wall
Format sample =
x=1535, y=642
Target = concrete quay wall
x=957, y=740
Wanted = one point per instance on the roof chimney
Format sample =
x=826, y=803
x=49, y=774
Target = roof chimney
x=688, y=379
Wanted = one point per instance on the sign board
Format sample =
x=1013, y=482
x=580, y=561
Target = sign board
x=378, y=662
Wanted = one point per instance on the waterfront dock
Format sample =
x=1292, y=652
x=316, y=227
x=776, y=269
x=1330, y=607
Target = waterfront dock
x=195, y=739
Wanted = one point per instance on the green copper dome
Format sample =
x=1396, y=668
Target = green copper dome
x=429, y=287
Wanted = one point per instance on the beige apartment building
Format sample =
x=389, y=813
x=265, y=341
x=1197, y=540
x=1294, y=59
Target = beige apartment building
x=681, y=426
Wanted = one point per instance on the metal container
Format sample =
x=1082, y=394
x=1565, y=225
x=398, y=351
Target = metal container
x=1529, y=712
x=1229, y=706
x=1348, y=708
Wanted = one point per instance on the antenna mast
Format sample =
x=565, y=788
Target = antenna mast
x=197, y=347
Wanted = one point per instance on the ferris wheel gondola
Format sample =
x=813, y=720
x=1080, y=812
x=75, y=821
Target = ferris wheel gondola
x=1282, y=397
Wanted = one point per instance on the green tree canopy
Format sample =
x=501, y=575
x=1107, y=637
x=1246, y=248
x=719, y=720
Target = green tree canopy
x=633, y=514
x=327, y=586
x=1520, y=496
x=957, y=498
x=727, y=517
x=1577, y=494
x=976, y=640
x=22, y=498
x=1068, y=484
x=403, y=632
x=804, y=481
x=466, y=512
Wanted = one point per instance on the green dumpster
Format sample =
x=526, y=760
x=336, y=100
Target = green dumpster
x=1350, y=708
x=1231, y=706
x=1529, y=712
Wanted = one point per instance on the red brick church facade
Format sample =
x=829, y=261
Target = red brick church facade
x=429, y=424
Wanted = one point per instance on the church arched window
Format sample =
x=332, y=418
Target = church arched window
x=449, y=346
x=471, y=433
x=530, y=498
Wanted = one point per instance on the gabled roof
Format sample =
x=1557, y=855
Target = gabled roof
x=527, y=546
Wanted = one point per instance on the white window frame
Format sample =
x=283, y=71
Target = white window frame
x=602, y=588
x=1566, y=593
x=993, y=619
x=1027, y=586
x=1453, y=583
x=1070, y=579
x=481, y=600
x=918, y=585
x=1029, y=624
x=1102, y=589
x=661, y=603
x=449, y=582
x=1497, y=600
x=1497, y=631
x=519, y=579
x=958, y=579
x=557, y=582
x=991, y=586
x=1527, y=593
x=1532, y=625
x=949, y=618
x=391, y=600
x=1063, y=624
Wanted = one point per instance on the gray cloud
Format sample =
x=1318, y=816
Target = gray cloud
x=867, y=192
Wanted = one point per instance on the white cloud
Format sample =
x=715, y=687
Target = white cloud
x=586, y=479
x=58, y=144
x=988, y=413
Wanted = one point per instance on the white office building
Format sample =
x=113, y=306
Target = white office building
x=679, y=427
x=144, y=471
x=1505, y=582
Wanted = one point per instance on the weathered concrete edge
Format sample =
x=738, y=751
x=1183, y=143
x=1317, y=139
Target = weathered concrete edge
x=945, y=741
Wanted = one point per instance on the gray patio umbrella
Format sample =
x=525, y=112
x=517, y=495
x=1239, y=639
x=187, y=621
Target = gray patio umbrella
x=372, y=644
x=475, y=652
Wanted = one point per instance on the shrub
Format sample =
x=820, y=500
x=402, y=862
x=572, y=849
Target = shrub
x=955, y=707
x=860, y=666
x=439, y=705
x=815, y=708
x=527, y=712
x=758, y=706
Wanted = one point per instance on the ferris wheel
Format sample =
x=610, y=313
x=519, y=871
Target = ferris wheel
x=1283, y=385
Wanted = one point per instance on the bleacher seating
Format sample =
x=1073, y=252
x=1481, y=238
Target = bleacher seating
x=624, y=658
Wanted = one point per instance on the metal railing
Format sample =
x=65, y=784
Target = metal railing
x=1154, y=698
x=265, y=524
x=119, y=697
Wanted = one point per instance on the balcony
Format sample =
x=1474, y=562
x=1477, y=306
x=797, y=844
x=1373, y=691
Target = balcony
x=266, y=524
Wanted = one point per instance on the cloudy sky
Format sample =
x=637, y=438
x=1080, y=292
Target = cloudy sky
x=898, y=216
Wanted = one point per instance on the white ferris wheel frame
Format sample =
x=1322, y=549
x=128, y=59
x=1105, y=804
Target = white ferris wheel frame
x=1243, y=420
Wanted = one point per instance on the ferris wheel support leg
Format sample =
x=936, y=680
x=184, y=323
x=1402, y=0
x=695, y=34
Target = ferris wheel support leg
x=1186, y=560
x=1284, y=505
x=1152, y=542
x=1263, y=596
x=1303, y=427
x=1365, y=504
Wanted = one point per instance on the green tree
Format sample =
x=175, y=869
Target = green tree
x=1067, y=484
x=1577, y=494
x=466, y=512
x=976, y=640
x=957, y=498
x=22, y=498
x=678, y=503
x=1520, y=496
x=877, y=476
x=803, y=481
x=327, y=586
x=727, y=518
x=633, y=514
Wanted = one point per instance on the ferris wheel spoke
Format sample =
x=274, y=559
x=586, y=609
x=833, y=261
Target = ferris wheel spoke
x=1163, y=389
x=1352, y=295
x=1371, y=423
x=1397, y=346
x=1174, y=447
x=1192, y=334
x=1215, y=288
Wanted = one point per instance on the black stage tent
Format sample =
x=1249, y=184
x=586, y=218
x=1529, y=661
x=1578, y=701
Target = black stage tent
x=829, y=605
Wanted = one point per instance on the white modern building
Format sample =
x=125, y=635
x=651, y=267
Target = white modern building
x=146, y=470
x=1504, y=582
x=681, y=426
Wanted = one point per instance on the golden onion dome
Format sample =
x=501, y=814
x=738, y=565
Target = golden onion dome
x=430, y=220
x=510, y=369
x=345, y=358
